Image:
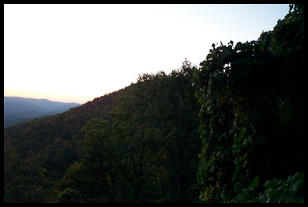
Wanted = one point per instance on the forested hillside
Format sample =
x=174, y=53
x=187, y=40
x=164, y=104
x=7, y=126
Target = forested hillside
x=231, y=130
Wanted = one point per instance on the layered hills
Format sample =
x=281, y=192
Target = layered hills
x=18, y=109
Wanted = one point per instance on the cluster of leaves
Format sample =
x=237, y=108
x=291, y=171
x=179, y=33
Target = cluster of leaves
x=251, y=97
x=69, y=196
x=288, y=190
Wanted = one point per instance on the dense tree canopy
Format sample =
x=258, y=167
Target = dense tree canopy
x=251, y=97
x=148, y=151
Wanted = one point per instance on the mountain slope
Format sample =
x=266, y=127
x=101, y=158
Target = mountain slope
x=144, y=121
x=41, y=144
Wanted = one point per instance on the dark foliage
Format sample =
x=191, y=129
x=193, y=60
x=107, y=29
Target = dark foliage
x=252, y=125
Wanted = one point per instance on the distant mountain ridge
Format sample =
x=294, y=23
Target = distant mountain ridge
x=18, y=109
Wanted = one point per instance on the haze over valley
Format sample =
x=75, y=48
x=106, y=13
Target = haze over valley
x=18, y=109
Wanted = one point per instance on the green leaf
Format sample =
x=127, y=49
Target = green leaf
x=254, y=183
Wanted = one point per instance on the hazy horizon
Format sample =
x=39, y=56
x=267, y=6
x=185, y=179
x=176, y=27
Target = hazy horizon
x=49, y=99
x=75, y=53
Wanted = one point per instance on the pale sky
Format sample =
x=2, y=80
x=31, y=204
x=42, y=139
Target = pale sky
x=75, y=53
